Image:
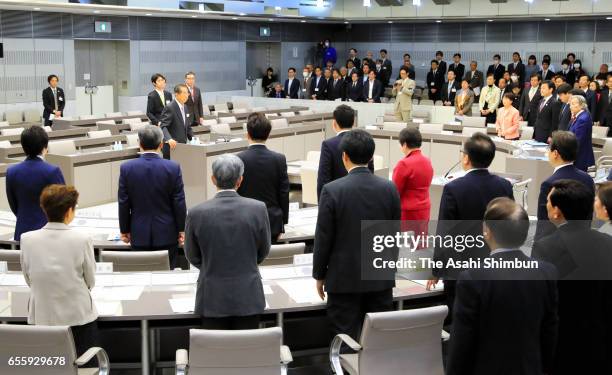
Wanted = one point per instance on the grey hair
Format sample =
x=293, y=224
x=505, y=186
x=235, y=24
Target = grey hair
x=227, y=170
x=581, y=101
x=150, y=137
x=474, y=62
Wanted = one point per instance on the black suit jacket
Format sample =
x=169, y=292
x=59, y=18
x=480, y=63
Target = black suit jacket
x=504, y=320
x=442, y=67
x=49, y=102
x=174, y=126
x=545, y=227
x=605, y=111
x=570, y=77
x=450, y=97
x=387, y=71
x=357, y=63
x=343, y=205
x=281, y=95
x=459, y=71
x=321, y=93
x=585, y=307
x=195, y=105
x=293, y=91
x=462, y=207
x=336, y=91
x=529, y=109
x=548, y=76
x=546, y=120
x=519, y=69
x=155, y=106
x=411, y=72
x=564, y=115
x=354, y=93
x=377, y=91
x=330, y=162
x=265, y=179
x=437, y=80
x=497, y=73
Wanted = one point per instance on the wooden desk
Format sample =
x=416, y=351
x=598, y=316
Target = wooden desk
x=61, y=124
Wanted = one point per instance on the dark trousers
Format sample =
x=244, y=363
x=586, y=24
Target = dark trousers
x=491, y=117
x=166, y=151
x=231, y=322
x=85, y=337
x=449, y=293
x=346, y=311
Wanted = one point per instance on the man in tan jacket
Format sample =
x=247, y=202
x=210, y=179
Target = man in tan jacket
x=402, y=90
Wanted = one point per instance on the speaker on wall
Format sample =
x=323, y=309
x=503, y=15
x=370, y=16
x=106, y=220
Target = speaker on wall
x=1, y=50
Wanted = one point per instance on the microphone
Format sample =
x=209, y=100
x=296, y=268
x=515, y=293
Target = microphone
x=451, y=168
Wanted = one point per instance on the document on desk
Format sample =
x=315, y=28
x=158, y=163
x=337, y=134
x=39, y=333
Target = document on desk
x=267, y=289
x=273, y=273
x=118, y=293
x=13, y=279
x=174, y=278
x=104, y=279
x=141, y=278
x=108, y=308
x=182, y=305
x=301, y=291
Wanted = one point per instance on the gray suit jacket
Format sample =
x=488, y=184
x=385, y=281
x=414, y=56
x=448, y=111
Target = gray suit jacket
x=174, y=125
x=476, y=81
x=226, y=238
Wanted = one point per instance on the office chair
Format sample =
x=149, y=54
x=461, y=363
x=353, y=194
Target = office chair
x=32, y=115
x=11, y=257
x=395, y=342
x=308, y=176
x=431, y=128
x=99, y=133
x=54, y=343
x=11, y=131
x=283, y=254
x=134, y=261
x=520, y=190
x=13, y=117
x=66, y=147
x=250, y=351
x=526, y=133
x=227, y=120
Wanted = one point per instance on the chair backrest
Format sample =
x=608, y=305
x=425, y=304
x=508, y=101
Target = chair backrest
x=607, y=148
x=431, y=128
x=469, y=131
x=106, y=122
x=271, y=115
x=283, y=254
x=313, y=156
x=421, y=113
x=5, y=144
x=32, y=115
x=427, y=102
x=227, y=120
x=205, y=110
x=474, y=122
x=415, y=101
x=11, y=131
x=526, y=133
x=13, y=116
x=221, y=107
x=308, y=176
x=66, y=147
x=134, y=113
x=87, y=117
x=402, y=342
x=306, y=112
x=126, y=261
x=217, y=352
x=221, y=129
x=240, y=110
x=113, y=114
x=520, y=190
x=136, y=126
x=259, y=109
x=600, y=131
x=99, y=133
x=438, y=103
x=211, y=121
x=4, y=124
x=394, y=126
x=378, y=162
x=132, y=140
x=38, y=341
x=132, y=120
x=287, y=114
x=11, y=257
x=279, y=123
x=523, y=124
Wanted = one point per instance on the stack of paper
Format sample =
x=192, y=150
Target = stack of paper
x=174, y=278
x=120, y=293
x=182, y=305
x=108, y=308
x=12, y=279
x=301, y=291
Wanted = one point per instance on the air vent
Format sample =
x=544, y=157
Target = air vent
x=442, y=2
x=389, y=3
x=498, y=1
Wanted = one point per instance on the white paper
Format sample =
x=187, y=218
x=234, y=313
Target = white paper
x=121, y=293
x=106, y=308
x=267, y=289
x=13, y=279
x=182, y=305
x=476, y=91
x=301, y=291
x=174, y=278
x=272, y=273
x=302, y=259
x=143, y=278
x=104, y=280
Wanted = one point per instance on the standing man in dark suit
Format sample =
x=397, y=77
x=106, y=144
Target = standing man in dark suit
x=53, y=99
x=330, y=162
x=457, y=67
x=176, y=121
x=151, y=198
x=318, y=86
x=354, y=89
x=546, y=73
x=517, y=67
x=194, y=102
x=562, y=154
x=567, y=72
x=409, y=67
x=590, y=96
x=337, y=258
x=497, y=68
x=353, y=57
x=372, y=89
x=387, y=68
x=277, y=92
x=562, y=106
x=292, y=85
x=26, y=180
x=157, y=99
x=501, y=314
x=580, y=254
x=441, y=63
x=265, y=174
x=335, y=87
x=605, y=114
x=475, y=78
x=546, y=118
x=450, y=88
x=435, y=81
x=226, y=238
x=528, y=107
x=465, y=199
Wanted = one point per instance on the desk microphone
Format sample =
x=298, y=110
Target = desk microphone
x=451, y=168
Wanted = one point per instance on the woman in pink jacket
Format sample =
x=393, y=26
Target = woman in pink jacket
x=507, y=123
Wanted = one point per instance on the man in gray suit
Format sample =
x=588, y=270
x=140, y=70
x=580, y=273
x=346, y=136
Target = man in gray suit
x=176, y=120
x=226, y=238
x=475, y=78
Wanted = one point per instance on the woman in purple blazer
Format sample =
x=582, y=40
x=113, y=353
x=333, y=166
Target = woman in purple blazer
x=581, y=124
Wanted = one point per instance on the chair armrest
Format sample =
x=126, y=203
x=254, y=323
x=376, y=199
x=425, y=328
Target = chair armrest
x=285, y=354
x=182, y=361
x=348, y=340
x=103, y=363
x=334, y=350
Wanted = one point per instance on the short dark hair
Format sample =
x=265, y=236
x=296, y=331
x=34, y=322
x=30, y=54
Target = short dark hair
x=358, y=145
x=565, y=61
x=383, y=50
x=407, y=54
x=258, y=126
x=270, y=69
x=516, y=53
x=507, y=221
x=439, y=53
x=457, y=54
x=317, y=67
x=510, y=96
x=34, y=140
x=404, y=69
x=354, y=72
x=480, y=149
x=411, y=137
x=179, y=87
x=50, y=77
x=344, y=116
x=548, y=83
x=564, y=88
x=349, y=61
x=56, y=200
x=156, y=76
x=336, y=70
x=584, y=75
x=571, y=54
x=547, y=62
x=536, y=74
x=290, y=69
x=604, y=193
x=353, y=49
x=573, y=198
x=561, y=77
x=565, y=143
x=190, y=73
x=490, y=75
x=497, y=55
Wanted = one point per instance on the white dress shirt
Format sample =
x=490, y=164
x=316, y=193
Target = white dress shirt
x=370, y=88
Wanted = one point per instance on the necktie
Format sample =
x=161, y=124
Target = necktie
x=355, y=85
x=573, y=119
x=542, y=102
x=161, y=97
x=55, y=98
x=278, y=94
x=182, y=108
x=192, y=94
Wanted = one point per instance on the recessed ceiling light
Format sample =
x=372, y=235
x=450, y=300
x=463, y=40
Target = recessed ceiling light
x=36, y=8
x=546, y=19
x=242, y=14
x=389, y=21
x=96, y=11
x=609, y=18
x=271, y=19
x=346, y=22
x=438, y=21
x=303, y=21
x=148, y=14
x=194, y=16
x=490, y=20
x=234, y=18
